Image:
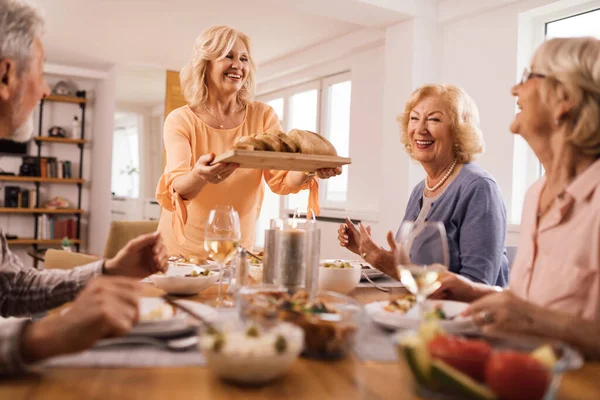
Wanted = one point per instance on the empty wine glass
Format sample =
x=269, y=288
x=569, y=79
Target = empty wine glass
x=222, y=235
x=421, y=258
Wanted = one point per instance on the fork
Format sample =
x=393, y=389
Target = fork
x=386, y=290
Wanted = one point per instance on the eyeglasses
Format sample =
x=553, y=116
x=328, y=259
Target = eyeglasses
x=527, y=75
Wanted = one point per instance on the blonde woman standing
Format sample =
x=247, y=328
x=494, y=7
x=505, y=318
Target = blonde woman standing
x=218, y=84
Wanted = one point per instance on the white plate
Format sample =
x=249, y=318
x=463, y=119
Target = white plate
x=171, y=322
x=411, y=320
x=370, y=272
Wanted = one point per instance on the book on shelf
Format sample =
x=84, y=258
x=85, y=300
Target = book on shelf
x=50, y=227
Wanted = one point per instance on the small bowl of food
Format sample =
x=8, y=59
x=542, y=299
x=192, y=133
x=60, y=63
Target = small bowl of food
x=339, y=276
x=330, y=322
x=478, y=366
x=249, y=353
x=261, y=302
x=185, y=280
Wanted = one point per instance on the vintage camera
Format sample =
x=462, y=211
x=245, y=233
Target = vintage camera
x=30, y=167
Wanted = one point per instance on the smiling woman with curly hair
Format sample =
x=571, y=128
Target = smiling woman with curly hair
x=440, y=130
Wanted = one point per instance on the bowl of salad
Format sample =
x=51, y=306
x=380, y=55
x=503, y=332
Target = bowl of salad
x=185, y=280
x=339, y=276
x=484, y=367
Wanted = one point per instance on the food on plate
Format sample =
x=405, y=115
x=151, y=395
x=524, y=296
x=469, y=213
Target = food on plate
x=472, y=369
x=329, y=331
x=517, y=376
x=251, y=353
x=186, y=260
x=329, y=328
x=158, y=313
x=401, y=304
x=261, y=303
x=195, y=273
x=296, y=141
x=337, y=264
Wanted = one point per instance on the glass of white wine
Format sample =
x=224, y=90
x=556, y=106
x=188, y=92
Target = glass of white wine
x=222, y=235
x=422, y=257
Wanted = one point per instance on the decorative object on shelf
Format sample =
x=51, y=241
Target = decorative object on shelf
x=57, y=131
x=80, y=93
x=11, y=196
x=57, y=203
x=29, y=167
x=66, y=244
x=75, y=127
x=63, y=88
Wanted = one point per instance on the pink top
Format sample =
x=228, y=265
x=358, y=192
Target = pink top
x=558, y=266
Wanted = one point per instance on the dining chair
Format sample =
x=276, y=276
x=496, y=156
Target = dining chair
x=120, y=233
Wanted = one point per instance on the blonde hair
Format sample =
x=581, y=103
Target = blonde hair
x=468, y=139
x=214, y=44
x=572, y=67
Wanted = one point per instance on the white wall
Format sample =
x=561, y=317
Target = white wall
x=477, y=52
x=100, y=200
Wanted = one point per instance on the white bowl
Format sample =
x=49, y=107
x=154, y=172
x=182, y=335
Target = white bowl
x=341, y=280
x=175, y=281
x=247, y=360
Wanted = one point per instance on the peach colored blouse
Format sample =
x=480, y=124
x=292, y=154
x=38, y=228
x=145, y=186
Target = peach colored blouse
x=186, y=138
x=558, y=264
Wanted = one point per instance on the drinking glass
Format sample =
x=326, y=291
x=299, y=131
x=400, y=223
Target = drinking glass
x=421, y=258
x=222, y=235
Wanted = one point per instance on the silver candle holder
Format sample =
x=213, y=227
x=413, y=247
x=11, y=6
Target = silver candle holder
x=293, y=247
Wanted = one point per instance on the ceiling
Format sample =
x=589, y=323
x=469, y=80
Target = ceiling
x=145, y=37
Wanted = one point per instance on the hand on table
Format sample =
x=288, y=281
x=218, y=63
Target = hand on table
x=213, y=173
x=142, y=256
x=106, y=307
x=503, y=311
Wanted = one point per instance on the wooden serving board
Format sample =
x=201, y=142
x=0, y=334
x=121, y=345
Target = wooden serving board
x=280, y=161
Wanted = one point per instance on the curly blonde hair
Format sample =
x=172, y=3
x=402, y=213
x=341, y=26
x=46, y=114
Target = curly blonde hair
x=214, y=44
x=572, y=66
x=468, y=139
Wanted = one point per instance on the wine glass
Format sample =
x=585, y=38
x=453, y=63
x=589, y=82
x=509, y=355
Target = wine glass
x=222, y=235
x=421, y=258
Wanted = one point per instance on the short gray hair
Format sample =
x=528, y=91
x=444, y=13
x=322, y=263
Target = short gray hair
x=20, y=24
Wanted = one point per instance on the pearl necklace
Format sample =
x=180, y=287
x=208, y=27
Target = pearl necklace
x=440, y=183
x=221, y=124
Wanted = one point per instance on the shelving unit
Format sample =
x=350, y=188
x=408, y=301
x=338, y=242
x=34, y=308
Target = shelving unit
x=37, y=179
x=36, y=242
x=13, y=210
x=40, y=141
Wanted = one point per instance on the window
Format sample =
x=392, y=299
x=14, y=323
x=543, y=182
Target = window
x=526, y=167
x=126, y=155
x=321, y=106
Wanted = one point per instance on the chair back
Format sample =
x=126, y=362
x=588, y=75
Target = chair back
x=60, y=259
x=121, y=232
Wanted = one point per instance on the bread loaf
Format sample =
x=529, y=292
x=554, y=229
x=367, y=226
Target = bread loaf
x=312, y=143
x=297, y=141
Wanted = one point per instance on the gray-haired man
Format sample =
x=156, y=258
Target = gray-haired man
x=107, y=306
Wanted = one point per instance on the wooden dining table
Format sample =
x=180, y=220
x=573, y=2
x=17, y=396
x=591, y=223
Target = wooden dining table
x=348, y=378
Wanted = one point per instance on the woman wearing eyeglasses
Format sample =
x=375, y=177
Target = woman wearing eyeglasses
x=218, y=84
x=555, y=279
